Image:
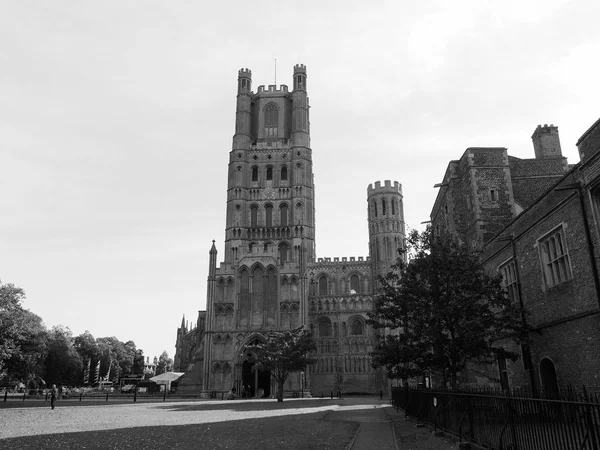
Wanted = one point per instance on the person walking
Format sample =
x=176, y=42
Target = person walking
x=53, y=394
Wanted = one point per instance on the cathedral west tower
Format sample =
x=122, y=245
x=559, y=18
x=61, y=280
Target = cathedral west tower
x=269, y=277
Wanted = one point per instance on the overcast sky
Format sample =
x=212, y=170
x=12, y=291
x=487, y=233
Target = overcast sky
x=116, y=120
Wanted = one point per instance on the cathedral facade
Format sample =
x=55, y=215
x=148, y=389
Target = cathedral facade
x=269, y=277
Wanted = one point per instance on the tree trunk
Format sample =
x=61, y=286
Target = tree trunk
x=280, y=390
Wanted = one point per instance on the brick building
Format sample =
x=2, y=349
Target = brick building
x=269, y=277
x=536, y=222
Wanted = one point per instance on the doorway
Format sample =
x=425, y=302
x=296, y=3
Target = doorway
x=549, y=381
x=256, y=382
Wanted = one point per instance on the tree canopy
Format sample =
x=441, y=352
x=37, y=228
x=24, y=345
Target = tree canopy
x=32, y=354
x=165, y=363
x=441, y=311
x=284, y=352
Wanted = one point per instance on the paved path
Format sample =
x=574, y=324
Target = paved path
x=376, y=430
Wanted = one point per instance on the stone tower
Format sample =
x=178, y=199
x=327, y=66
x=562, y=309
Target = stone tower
x=269, y=277
x=260, y=284
x=386, y=225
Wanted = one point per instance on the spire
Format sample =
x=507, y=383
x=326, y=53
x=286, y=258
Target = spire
x=213, y=249
x=183, y=322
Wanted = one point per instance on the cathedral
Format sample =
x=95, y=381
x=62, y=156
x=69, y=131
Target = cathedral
x=269, y=277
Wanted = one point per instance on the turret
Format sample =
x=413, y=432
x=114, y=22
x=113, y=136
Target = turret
x=385, y=214
x=300, y=122
x=243, y=114
x=546, y=142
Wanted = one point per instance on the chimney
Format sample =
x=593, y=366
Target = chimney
x=546, y=142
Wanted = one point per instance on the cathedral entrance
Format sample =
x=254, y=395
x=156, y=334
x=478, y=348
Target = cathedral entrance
x=257, y=383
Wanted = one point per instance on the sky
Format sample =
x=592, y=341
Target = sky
x=117, y=117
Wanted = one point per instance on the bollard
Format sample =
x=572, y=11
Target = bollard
x=46, y=395
x=380, y=395
x=6, y=395
x=331, y=395
x=107, y=396
x=222, y=394
x=24, y=394
x=80, y=395
x=165, y=395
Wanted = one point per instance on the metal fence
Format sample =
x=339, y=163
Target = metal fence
x=506, y=421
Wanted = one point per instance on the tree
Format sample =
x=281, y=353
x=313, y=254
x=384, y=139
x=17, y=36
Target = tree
x=63, y=363
x=22, y=337
x=284, y=352
x=446, y=310
x=165, y=364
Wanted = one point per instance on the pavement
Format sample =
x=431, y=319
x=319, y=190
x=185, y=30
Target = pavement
x=384, y=428
x=381, y=426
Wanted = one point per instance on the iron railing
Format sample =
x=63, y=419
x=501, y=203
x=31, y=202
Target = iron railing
x=506, y=421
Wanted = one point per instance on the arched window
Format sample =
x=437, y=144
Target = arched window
x=324, y=327
x=375, y=208
x=323, y=285
x=284, y=173
x=271, y=119
x=354, y=284
x=253, y=216
x=269, y=173
x=283, y=253
x=269, y=215
x=283, y=216
x=356, y=327
x=383, y=207
x=254, y=173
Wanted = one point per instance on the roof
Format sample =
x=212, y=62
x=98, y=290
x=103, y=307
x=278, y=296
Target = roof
x=168, y=376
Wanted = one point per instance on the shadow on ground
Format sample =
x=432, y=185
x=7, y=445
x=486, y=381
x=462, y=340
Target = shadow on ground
x=294, y=432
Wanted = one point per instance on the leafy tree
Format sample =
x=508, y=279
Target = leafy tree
x=444, y=311
x=284, y=352
x=22, y=337
x=63, y=363
x=165, y=364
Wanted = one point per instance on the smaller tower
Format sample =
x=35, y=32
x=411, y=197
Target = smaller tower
x=300, y=123
x=243, y=113
x=386, y=225
x=546, y=142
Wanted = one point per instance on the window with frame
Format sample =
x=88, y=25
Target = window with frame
x=508, y=271
x=284, y=173
x=323, y=285
x=554, y=257
x=254, y=173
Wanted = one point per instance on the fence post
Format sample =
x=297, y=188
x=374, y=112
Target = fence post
x=165, y=394
x=470, y=412
x=134, y=394
x=6, y=395
x=24, y=394
x=80, y=395
x=331, y=395
x=107, y=396
x=588, y=417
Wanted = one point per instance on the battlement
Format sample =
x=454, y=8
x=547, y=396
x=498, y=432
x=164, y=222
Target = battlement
x=299, y=68
x=343, y=259
x=272, y=88
x=245, y=73
x=387, y=187
x=545, y=129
